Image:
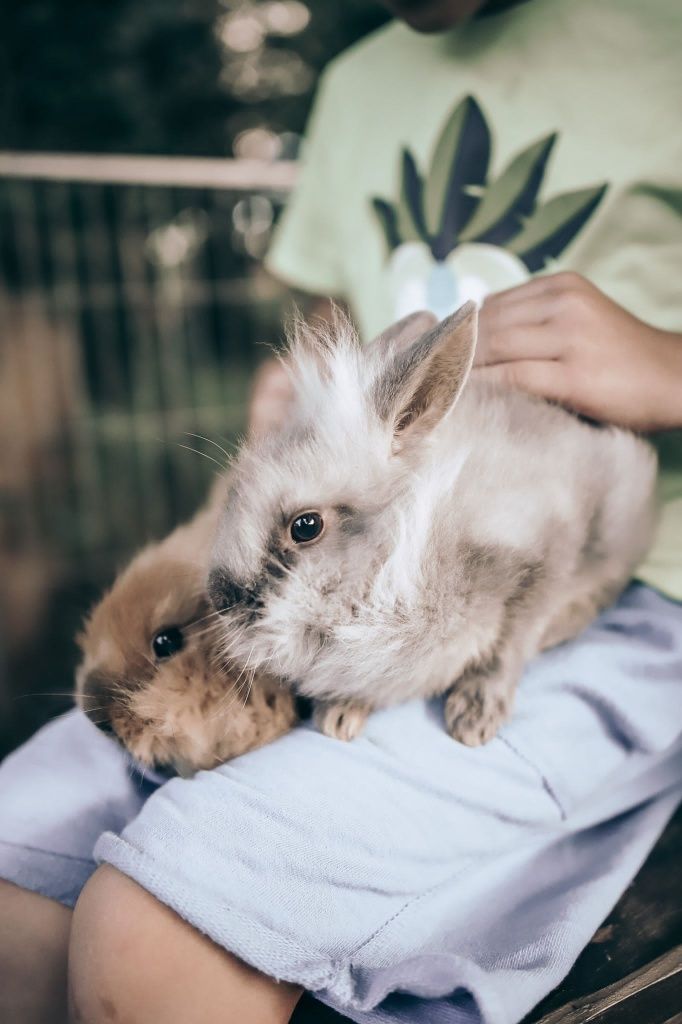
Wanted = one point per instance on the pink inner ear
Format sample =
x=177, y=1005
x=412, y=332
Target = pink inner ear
x=438, y=376
x=404, y=332
x=412, y=413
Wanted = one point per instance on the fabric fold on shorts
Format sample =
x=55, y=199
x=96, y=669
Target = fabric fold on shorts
x=58, y=793
x=401, y=877
x=406, y=871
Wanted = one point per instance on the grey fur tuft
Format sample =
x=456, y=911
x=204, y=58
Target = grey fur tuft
x=465, y=528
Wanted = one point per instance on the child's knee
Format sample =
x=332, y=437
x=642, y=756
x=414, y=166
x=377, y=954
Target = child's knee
x=96, y=931
x=119, y=962
x=133, y=959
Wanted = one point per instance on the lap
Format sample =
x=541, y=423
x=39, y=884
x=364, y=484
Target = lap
x=335, y=864
x=160, y=970
x=325, y=863
x=58, y=793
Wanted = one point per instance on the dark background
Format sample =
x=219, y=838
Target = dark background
x=164, y=76
x=114, y=344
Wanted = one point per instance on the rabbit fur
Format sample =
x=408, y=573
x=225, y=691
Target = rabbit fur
x=193, y=709
x=466, y=527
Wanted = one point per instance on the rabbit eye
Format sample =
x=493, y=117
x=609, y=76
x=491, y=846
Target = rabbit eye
x=306, y=527
x=168, y=642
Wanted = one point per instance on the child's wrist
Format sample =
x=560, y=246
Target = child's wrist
x=665, y=400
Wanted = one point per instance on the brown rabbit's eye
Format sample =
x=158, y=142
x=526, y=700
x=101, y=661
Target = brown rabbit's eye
x=168, y=642
x=306, y=527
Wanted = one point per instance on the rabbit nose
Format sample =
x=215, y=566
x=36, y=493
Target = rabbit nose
x=103, y=724
x=95, y=696
x=225, y=592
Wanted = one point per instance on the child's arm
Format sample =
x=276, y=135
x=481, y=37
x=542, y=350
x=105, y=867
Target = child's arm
x=132, y=959
x=271, y=394
x=560, y=337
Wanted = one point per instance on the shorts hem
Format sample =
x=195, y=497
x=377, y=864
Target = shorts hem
x=342, y=983
x=252, y=941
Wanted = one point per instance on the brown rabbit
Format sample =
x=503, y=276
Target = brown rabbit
x=151, y=674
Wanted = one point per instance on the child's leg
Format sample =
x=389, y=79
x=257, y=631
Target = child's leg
x=380, y=871
x=132, y=959
x=34, y=940
x=58, y=793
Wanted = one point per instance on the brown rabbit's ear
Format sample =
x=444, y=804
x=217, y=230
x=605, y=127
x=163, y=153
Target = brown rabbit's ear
x=422, y=381
x=403, y=333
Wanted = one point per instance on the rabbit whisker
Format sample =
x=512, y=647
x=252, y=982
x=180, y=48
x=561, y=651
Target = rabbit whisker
x=210, y=628
x=209, y=440
x=224, y=707
x=250, y=687
x=241, y=674
x=196, y=451
x=237, y=691
x=57, y=693
x=210, y=615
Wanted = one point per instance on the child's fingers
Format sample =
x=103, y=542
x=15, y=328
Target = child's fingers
x=543, y=377
x=497, y=314
x=542, y=285
x=504, y=344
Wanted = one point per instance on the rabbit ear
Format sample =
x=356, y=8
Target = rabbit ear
x=422, y=382
x=401, y=334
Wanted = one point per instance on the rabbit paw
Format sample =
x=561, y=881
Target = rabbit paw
x=475, y=710
x=342, y=721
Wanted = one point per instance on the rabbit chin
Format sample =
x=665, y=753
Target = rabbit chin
x=388, y=644
x=191, y=727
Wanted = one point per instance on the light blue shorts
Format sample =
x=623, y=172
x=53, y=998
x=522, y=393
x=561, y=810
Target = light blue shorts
x=401, y=877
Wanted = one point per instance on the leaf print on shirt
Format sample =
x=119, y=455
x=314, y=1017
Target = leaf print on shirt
x=456, y=235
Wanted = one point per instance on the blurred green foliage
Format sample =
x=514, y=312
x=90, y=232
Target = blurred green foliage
x=158, y=347
x=120, y=75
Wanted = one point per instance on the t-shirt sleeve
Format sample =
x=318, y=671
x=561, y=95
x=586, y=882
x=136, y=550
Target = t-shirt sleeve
x=305, y=252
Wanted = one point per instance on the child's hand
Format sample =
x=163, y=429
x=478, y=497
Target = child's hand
x=560, y=337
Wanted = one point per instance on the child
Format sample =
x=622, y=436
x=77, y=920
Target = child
x=402, y=876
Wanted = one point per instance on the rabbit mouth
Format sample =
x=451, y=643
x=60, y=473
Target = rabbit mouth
x=228, y=596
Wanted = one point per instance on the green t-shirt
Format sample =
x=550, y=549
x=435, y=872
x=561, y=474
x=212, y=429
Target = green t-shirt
x=442, y=167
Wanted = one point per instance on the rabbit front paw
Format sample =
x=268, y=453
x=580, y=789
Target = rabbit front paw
x=343, y=720
x=474, y=711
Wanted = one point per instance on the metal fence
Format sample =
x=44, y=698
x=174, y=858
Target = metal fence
x=132, y=305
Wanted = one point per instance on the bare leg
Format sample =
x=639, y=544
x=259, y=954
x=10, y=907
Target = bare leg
x=34, y=940
x=132, y=959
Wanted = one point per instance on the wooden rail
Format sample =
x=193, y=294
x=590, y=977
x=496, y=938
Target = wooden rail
x=197, y=172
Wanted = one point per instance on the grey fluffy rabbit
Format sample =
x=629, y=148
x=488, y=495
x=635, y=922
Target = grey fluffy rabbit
x=415, y=532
